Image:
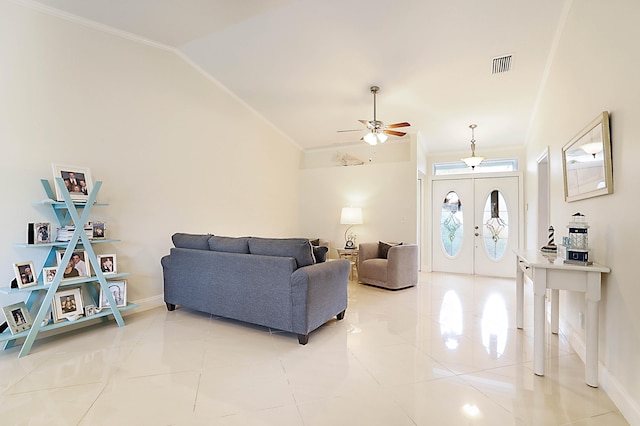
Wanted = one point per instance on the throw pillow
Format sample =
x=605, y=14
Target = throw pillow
x=191, y=241
x=320, y=253
x=229, y=244
x=315, y=242
x=383, y=249
x=298, y=248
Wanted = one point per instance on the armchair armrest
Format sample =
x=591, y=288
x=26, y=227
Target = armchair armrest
x=367, y=251
x=402, y=267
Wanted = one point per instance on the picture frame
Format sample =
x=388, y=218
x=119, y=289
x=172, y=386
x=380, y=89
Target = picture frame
x=98, y=230
x=18, y=318
x=108, y=264
x=587, y=162
x=79, y=262
x=25, y=274
x=77, y=179
x=119, y=290
x=39, y=233
x=89, y=310
x=67, y=304
x=48, y=274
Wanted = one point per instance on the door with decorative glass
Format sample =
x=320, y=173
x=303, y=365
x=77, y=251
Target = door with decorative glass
x=476, y=225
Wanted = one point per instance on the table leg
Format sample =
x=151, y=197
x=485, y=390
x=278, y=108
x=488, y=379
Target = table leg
x=539, y=291
x=592, y=323
x=555, y=310
x=519, y=295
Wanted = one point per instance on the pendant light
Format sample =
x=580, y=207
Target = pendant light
x=474, y=160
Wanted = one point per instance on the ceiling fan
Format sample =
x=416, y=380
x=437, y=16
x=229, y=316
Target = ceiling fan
x=377, y=130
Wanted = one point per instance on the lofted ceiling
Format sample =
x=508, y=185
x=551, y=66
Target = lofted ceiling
x=307, y=65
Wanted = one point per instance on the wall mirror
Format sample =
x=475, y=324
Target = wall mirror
x=586, y=161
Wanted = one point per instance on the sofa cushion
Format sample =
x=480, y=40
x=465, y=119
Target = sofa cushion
x=229, y=244
x=191, y=241
x=383, y=249
x=320, y=253
x=298, y=248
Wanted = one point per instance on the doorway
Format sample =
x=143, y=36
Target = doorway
x=476, y=225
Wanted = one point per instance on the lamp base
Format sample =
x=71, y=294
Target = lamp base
x=349, y=245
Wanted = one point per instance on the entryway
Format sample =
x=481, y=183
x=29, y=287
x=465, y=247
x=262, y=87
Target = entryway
x=476, y=224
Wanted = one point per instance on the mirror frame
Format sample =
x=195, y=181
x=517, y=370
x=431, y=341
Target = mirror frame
x=581, y=139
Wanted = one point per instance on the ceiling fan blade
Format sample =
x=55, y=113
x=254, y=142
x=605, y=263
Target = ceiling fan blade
x=394, y=133
x=396, y=125
x=350, y=130
x=365, y=122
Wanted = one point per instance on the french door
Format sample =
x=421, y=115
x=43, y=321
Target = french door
x=476, y=225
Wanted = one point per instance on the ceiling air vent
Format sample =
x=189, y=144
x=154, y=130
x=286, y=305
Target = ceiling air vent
x=501, y=64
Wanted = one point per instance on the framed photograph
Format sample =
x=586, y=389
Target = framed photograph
x=18, y=318
x=97, y=230
x=89, y=310
x=39, y=233
x=77, y=180
x=107, y=264
x=66, y=304
x=587, y=162
x=119, y=291
x=25, y=274
x=78, y=265
x=48, y=274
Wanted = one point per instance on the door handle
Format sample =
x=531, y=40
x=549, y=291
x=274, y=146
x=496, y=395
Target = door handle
x=476, y=234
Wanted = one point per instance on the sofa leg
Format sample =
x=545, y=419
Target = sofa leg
x=340, y=315
x=303, y=339
x=171, y=307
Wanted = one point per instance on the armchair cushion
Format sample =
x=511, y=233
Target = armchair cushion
x=383, y=249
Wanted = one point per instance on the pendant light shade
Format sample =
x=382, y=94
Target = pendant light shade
x=474, y=160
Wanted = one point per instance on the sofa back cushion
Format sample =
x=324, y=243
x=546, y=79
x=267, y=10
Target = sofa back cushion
x=191, y=241
x=298, y=248
x=229, y=244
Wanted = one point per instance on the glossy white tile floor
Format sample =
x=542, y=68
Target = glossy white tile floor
x=444, y=353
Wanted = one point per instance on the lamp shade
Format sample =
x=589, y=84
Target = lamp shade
x=351, y=216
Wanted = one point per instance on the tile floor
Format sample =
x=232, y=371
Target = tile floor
x=444, y=353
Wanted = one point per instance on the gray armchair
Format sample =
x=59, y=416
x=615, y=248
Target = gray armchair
x=398, y=270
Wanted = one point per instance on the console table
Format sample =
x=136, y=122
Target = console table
x=548, y=272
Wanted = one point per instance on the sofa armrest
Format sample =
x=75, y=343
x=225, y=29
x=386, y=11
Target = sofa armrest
x=318, y=292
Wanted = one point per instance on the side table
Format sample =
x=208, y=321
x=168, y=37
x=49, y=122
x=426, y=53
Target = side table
x=352, y=256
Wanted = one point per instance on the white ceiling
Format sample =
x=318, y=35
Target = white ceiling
x=307, y=65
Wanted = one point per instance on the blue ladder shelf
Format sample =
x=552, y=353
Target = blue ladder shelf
x=66, y=212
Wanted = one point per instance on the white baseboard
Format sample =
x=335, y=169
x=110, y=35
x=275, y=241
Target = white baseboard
x=612, y=387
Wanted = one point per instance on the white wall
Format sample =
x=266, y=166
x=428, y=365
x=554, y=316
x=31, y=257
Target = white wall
x=595, y=68
x=175, y=151
x=385, y=190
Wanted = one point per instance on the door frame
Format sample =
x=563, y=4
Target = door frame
x=472, y=176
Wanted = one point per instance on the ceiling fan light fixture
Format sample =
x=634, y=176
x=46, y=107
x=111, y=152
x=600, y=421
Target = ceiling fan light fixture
x=373, y=138
x=474, y=160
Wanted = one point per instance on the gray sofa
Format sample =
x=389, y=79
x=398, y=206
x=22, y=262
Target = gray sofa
x=273, y=282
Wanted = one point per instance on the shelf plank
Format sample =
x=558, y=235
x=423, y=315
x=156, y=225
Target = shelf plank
x=6, y=335
x=65, y=243
x=64, y=283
